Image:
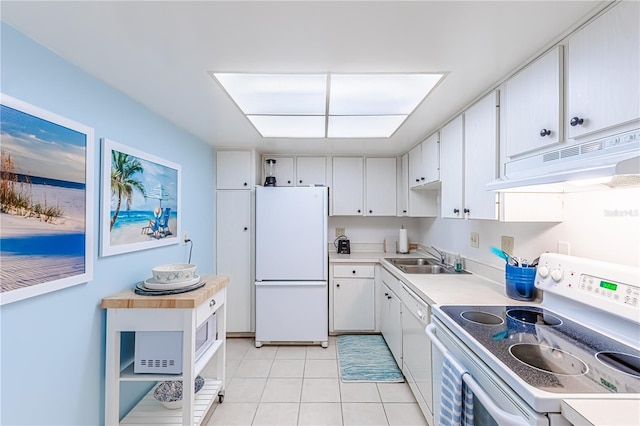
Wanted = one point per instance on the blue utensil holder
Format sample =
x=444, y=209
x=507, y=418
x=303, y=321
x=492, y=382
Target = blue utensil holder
x=519, y=281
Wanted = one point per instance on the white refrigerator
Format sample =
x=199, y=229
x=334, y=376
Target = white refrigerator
x=291, y=265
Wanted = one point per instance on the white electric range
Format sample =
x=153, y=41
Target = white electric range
x=582, y=341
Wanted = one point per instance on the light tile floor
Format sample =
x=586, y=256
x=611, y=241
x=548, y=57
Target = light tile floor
x=300, y=385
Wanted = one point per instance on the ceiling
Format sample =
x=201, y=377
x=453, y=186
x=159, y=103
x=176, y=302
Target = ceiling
x=160, y=53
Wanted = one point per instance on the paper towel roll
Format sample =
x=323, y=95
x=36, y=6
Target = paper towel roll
x=403, y=241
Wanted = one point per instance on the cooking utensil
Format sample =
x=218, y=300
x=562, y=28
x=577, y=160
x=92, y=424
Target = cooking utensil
x=504, y=255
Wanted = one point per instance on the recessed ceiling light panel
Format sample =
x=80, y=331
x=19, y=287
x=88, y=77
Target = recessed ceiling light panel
x=289, y=126
x=278, y=94
x=295, y=105
x=379, y=94
x=365, y=126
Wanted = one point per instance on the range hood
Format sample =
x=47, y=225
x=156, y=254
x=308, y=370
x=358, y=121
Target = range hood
x=612, y=161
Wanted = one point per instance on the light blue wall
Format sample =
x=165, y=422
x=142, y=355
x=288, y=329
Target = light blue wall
x=52, y=346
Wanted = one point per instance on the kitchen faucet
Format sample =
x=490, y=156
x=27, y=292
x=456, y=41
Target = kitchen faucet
x=441, y=254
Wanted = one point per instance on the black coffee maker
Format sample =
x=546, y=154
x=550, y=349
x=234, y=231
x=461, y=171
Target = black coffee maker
x=343, y=245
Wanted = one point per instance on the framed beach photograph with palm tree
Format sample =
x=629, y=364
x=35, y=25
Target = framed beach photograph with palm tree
x=46, y=201
x=140, y=200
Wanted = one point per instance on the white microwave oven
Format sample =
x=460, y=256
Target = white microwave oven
x=160, y=352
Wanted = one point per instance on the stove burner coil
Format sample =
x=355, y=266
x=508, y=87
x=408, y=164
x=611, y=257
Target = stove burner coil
x=624, y=363
x=480, y=317
x=548, y=359
x=533, y=317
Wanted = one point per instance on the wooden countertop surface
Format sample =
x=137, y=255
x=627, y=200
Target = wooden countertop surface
x=129, y=299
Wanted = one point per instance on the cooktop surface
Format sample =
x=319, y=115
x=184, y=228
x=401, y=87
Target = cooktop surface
x=546, y=350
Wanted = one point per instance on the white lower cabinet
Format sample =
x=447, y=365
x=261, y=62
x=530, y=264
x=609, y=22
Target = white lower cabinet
x=183, y=313
x=391, y=321
x=352, y=298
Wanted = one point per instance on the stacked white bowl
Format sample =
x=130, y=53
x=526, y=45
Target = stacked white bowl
x=172, y=276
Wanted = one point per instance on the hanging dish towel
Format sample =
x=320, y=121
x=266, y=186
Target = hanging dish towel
x=456, y=400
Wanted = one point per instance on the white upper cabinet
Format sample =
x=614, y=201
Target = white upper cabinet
x=233, y=169
x=481, y=158
x=311, y=171
x=347, y=192
x=531, y=104
x=415, y=166
x=603, y=71
x=380, y=187
x=283, y=168
x=430, y=159
x=451, y=172
x=424, y=162
x=403, y=186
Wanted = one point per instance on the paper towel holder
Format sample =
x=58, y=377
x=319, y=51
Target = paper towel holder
x=403, y=242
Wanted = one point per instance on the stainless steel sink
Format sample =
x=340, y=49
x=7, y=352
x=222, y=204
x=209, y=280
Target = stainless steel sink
x=412, y=261
x=422, y=265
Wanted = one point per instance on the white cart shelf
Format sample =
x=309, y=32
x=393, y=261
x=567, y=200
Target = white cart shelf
x=127, y=311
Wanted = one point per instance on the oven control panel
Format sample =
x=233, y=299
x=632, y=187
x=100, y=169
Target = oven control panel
x=608, y=286
x=606, y=289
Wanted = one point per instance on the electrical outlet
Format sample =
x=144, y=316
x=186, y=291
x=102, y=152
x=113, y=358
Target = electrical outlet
x=564, y=247
x=339, y=232
x=506, y=244
x=185, y=238
x=474, y=240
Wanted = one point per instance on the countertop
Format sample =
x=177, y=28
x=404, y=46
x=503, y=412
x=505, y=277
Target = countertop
x=464, y=289
x=597, y=412
x=129, y=299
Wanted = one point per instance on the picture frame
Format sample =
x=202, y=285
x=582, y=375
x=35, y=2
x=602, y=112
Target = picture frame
x=140, y=200
x=47, y=198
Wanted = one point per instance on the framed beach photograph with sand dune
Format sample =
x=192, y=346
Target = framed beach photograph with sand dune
x=140, y=200
x=46, y=198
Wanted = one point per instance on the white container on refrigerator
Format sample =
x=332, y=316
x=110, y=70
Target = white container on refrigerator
x=291, y=265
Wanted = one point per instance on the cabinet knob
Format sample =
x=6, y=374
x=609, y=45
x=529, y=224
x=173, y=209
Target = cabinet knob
x=337, y=285
x=545, y=132
x=300, y=181
x=389, y=297
x=245, y=228
x=456, y=211
x=417, y=180
x=466, y=210
x=386, y=294
x=575, y=121
x=359, y=211
x=422, y=178
x=288, y=181
x=212, y=303
x=404, y=211
x=244, y=184
x=353, y=272
x=370, y=211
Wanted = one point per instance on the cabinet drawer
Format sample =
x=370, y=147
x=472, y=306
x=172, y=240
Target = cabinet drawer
x=392, y=282
x=359, y=271
x=208, y=307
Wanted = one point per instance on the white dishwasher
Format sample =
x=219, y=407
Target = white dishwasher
x=416, y=350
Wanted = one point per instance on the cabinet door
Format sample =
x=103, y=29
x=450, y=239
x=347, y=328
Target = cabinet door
x=603, y=68
x=481, y=158
x=380, y=187
x=532, y=106
x=347, y=191
x=415, y=166
x=283, y=170
x=430, y=153
x=391, y=323
x=354, y=304
x=403, y=186
x=233, y=255
x=451, y=176
x=233, y=169
x=311, y=171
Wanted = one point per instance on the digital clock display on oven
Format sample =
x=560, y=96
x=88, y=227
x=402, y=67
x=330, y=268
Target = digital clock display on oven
x=608, y=285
